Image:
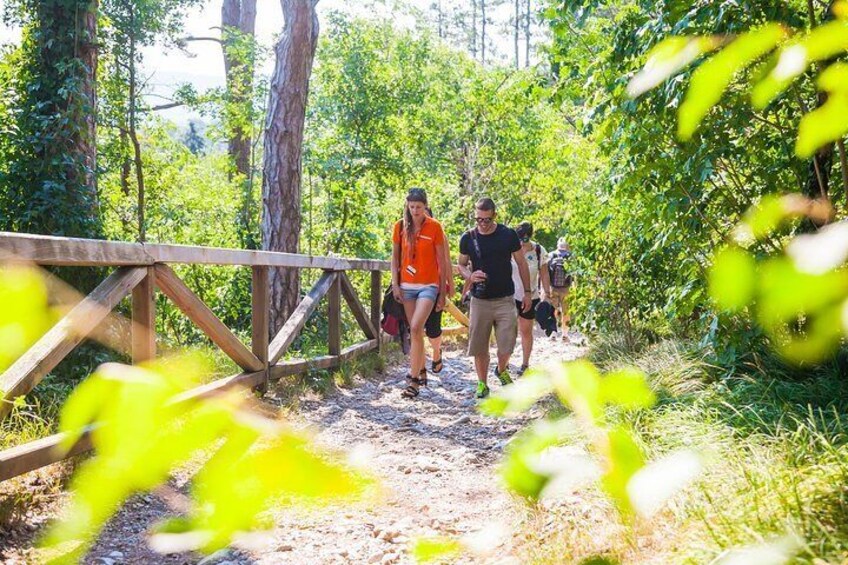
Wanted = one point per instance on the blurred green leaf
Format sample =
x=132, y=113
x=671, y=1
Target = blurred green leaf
x=732, y=278
x=655, y=483
x=829, y=122
x=667, y=58
x=577, y=384
x=711, y=79
x=624, y=459
x=820, y=44
x=519, y=468
x=24, y=312
x=627, y=388
x=425, y=550
x=518, y=397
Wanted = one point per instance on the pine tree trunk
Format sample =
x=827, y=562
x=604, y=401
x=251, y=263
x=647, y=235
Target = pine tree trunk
x=527, y=34
x=88, y=55
x=238, y=24
x=483, y=31
x=515, y=26
x=281, y=218
x=474, y=29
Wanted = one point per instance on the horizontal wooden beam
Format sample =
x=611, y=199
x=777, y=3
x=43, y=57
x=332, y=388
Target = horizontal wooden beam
x=298, y=366
x=242, y=380
x=61, y=339
x=171, y=285
x=288, y=333
x=64, y=251
x=45, y=451
x=354, y=351
x=454, y=330
x=39, y=453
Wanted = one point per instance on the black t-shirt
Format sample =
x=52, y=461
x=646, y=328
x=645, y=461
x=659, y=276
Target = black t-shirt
x=496, y=251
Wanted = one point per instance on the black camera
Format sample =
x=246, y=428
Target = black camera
x=478, y=289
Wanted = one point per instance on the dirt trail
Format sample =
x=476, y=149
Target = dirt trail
x=435, y=458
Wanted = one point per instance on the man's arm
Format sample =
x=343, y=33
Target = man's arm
x=524, y=273
x=464, y=268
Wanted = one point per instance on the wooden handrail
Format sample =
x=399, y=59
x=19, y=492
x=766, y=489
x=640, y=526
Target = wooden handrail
x=66, y=251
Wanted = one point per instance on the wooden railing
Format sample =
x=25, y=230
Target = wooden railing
x=143, y=268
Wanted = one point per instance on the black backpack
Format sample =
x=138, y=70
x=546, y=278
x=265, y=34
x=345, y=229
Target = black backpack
x=560, y=278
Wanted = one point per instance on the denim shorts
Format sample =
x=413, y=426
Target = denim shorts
x=429, y=292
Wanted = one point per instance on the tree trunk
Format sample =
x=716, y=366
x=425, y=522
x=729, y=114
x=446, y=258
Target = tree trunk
x=87, y=49
x=483, y=31
x=281, y=218
x=238, y=24
x=527, y=34
x=474, y=29
x=516, y=26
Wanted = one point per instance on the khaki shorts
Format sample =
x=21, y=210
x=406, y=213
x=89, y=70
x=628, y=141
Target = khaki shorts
x=498, y=313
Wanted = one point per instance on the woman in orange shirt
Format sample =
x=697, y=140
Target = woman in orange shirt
x=418, y=277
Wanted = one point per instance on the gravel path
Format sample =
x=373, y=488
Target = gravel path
x=435, y=459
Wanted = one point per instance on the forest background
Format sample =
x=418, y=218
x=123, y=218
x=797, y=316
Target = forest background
x=525, y=102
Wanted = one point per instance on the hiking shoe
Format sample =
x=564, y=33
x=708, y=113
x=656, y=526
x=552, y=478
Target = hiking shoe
x=503, y=377
x=523, y=369
x=482, y=390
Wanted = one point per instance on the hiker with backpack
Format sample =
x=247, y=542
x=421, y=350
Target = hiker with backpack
x=537, y=260
x=484, y=260
x=561, y=281
x=419, y=272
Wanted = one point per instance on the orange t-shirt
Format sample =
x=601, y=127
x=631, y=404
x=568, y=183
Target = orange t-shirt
x=419, y=266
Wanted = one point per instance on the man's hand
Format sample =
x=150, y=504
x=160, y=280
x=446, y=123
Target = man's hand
x=526, y=303
x=477, y=276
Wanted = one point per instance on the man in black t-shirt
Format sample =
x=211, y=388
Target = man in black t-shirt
x=488, y=248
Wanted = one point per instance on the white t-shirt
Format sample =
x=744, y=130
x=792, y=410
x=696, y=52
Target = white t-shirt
x=533, y=264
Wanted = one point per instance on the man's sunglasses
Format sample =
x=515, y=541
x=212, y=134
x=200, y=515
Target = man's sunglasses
x=484, y=220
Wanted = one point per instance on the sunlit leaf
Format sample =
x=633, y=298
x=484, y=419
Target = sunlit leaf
x=653, y=485
x=667, y=58
x=711, y=79
x=732, y=278
x=425, y=550
x=24, y=313
x=829, y=122
x=624, y=459
x=518, y=397
x=786, y=292
x=820, y=44
x=578, y=386
x=520, y=468
x=822, y=251
x=627, y=388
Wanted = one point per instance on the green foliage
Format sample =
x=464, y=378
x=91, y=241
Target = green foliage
x=255, y=462
x=626, y=479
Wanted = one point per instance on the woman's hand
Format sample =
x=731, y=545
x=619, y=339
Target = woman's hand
x=396, y=292
x=440, y=303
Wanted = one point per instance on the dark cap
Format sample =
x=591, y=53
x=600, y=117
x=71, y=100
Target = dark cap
x=524, y=229
x=416, y=195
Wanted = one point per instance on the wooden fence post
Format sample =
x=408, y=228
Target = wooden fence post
x=144, y=319
x=376, y=305
x=334, y=317
x=260, y=309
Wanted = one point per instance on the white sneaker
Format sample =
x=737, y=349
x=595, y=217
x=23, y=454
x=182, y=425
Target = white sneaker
x=554, y=336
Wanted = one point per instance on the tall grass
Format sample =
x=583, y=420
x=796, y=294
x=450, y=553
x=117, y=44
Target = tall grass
x=776, y=445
